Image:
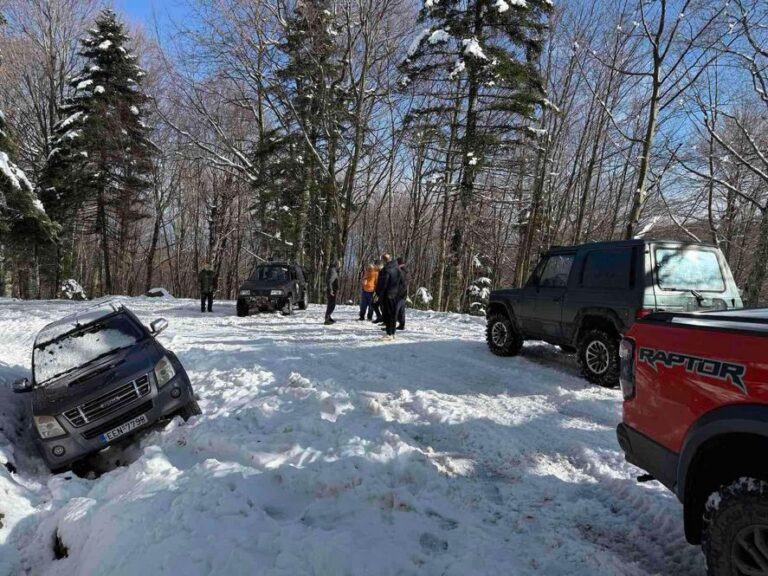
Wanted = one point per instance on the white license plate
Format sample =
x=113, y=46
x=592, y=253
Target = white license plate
x=123, y=429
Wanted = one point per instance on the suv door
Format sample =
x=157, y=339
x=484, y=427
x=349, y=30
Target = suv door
x=540, y=312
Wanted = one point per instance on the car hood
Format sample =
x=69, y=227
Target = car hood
x=111, y=371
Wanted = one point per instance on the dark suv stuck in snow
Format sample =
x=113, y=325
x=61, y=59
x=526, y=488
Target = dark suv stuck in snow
x=273, y=286
x=98, y=376
x=582, y=298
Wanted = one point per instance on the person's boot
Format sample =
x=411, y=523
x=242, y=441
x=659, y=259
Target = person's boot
x=328, y=322
x=401, y=327
x=360, y=319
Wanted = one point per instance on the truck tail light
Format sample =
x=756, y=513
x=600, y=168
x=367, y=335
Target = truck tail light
x=627, y=368
x=643, y=312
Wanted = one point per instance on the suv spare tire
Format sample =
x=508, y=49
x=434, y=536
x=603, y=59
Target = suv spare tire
x=502, y=337
x=598, y=357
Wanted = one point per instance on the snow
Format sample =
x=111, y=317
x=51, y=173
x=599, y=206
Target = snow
x=70, y=352
x=99, y=90
x=519, y=3
x=429, y=4
x=414, y=47
x=134, y=111
x=71, y=290
x=325, y=450
x=458, y=68
x=423, y=296
x=84, y=84
x=38, y=205
x=472, y=47
x=11, y=171
x=72, y=118
x=439, y=36
x=501, y=6
x=105, y=45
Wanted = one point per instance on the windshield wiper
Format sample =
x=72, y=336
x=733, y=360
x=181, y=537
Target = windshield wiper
x=698, y=295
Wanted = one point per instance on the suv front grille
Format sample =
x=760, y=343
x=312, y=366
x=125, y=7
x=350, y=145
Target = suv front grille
x=108, y=403
x=115, y=422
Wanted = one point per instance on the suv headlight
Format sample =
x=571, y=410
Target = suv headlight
x=164, y=371
x=49, y=427
x=276, y=293
x=245, y=292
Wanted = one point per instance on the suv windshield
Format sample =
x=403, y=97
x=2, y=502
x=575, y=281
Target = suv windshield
x=271, y=273
x=688, y=269
x=82, y=346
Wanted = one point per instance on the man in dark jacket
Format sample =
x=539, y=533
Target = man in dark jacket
x=402, y=294
x=207, y=287
x=332, y=288
x=387, y=289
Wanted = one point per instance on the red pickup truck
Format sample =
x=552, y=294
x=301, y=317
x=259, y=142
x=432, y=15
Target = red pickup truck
x=695, y=392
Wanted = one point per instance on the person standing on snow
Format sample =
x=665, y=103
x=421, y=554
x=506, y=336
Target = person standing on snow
x=402, y=294
x=387, y=290
x=207, y=286
x=332, y=288
x=370, y=277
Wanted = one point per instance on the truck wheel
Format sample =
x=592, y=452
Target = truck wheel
x=599, y=358
x=242, y=308
x=191, y=408
x=735, y=534
x=288, y=308
x=502, y=338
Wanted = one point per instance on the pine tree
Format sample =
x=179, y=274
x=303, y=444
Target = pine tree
x=23, y=221
x=311, y=87
x=482, y=54
x=101, y=156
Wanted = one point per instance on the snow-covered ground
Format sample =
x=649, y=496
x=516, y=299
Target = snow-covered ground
x=327, y=451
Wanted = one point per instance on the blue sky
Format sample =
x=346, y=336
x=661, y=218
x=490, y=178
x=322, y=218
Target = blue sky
x=144, y=12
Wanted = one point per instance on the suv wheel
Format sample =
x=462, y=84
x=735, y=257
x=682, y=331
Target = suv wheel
x=191, y=408
x=502, y=338
x=303, y=303
x=735, y=535
x=288, y=308
x=599, y=358
x=242, y=308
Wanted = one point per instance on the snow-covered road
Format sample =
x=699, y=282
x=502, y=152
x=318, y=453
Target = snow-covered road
x=327, y=451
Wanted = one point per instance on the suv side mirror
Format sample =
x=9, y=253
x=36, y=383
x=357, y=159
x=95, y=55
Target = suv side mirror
x=158, y=326
x=22, y=385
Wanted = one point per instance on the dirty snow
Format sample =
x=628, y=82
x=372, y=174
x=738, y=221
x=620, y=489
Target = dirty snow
x=325, y=451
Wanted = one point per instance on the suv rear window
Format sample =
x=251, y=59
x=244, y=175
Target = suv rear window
x=83, y=345
x=607, y=269
x=688, y=269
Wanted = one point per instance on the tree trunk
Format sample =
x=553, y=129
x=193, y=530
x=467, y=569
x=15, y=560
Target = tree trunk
x=759, y=263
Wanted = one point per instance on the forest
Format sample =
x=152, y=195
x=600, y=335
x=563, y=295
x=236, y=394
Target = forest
x=466, y=136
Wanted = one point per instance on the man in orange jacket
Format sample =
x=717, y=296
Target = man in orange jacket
x=370, y=277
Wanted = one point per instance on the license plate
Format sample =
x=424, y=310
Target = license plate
x=123, y=429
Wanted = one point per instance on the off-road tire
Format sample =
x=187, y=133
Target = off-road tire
x=288, y=308
x=242, y=309
x=508, y=345
x=191, y=408
x=735, y=514
x=595, y=344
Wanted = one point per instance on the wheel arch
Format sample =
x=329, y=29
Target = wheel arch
x=724, y=445
x=501, y=307
x=596, y=319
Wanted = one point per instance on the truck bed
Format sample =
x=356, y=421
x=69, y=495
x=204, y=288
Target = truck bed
x=745, y=320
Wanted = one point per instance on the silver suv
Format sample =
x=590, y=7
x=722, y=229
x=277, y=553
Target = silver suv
x=98, y=377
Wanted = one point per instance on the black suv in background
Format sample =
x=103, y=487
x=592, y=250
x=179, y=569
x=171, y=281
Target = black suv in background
x=582, y=298
x=273, y=286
